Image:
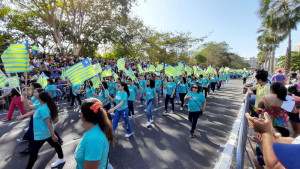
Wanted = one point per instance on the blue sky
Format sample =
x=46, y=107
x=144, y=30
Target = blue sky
x=233, y=21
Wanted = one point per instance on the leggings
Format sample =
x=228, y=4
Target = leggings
x=168, y=97
x=213, y=86
x=37, y=144
x=193, y=118
x=205, y=91
x=130, y=107
x=181, y=96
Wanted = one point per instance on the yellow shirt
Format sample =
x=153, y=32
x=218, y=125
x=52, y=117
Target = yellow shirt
x=261, y=91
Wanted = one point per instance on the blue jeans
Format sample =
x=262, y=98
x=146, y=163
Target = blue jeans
x=158, y=99
x=149, y=106
x=142, y=98
x=112, y=95
x=176, y=93
x=34, y=52
x=124, y=114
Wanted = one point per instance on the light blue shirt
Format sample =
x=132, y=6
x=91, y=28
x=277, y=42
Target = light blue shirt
x=89, y=92
x=74, y=87
x=157, y=83
x=170, y=87
x=213, y=79
x=40, y=128
x=102, y=96
x=183, y=87
x=192, y=83
x=149, y=93
x=93, y=146
x=51, y=88
x=195, y=103
x=132, y=90
x=111, y=87
x=200, y=81
x=206, y=82
x=33, y=99
x=142, y=84
x=121, y=97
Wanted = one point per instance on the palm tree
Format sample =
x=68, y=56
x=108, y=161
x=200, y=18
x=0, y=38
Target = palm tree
x=281, y=16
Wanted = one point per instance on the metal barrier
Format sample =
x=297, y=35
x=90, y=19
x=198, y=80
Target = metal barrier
x=242, y=140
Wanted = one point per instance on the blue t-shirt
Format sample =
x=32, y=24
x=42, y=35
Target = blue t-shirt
x=206, y=82
x=74, y=87
x=200, y=81
x=51, y=88
x=170, y=87
x=111, y=87
x=132, y=90
x=192, y=83
x=149, y=93
x=33, y=99
x=93, y=146
x=157, y=83
x=37, y=104
x=195, y=103
x=89, y=92
x=40, y=128
x=102, y=96
x=142, y=84
x=121, y=97
x=213, y=79
x=183, y=87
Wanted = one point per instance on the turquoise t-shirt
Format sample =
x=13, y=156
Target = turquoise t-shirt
x=111, y=86
x=213, y=79
x=206, y=82
x=74, y=87
x=149, y=93
x=183, y=87
x=170, y=87
x=200, y=81
x=244, y=75
x=121, y=97
x=93, y=146
x=40, y=128
x=195, y=103
x=142, y=84
x=157, y=83
x=33, y=99
x=192, y=83
x=132, y=90
x=37, y=104
x=89, y=92
x=102, y=96
x=51, y=88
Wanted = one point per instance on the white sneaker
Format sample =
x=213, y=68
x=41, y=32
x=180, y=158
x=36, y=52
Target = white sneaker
x=148, y=123
x=133, y=116
x=181, y=109
x=155, y=109
x=20, y=140
x=140, y=105
x=145, y=110
x=26, y=129
x=128, y=135
x=112, y=114
x=58, y=162
x=176, y=102
x=165, y=113
x=151, y=121
x=172, y=112
x=129, y=117
x=170, y=104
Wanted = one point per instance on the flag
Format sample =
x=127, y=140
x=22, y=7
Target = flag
x=121, y=63
x=97, y=68
x=151, y=68
x=130, y=73
x=195, y=70
x=188, y=70
x=180, y=66
x=16, y=58
x=159, y=67
x=106, y=72
x=13, y=82
x=63, y=74
x=140, y=68
x=96, y=82
x=169, y=70
x=3, y=79
x=115, y=75
x=80, y=72
x=42, y=80
x=221, y=69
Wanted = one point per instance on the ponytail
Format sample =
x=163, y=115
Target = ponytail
x=46, y=98
x=125, y=88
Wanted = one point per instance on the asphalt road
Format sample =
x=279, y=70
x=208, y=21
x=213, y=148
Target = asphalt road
x=165, y=144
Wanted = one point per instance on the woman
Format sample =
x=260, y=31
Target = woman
x=43, y=129
x=182, y=89
x=51, y=88
x=205, y=84
x=158, y=91
x=142, y=85
x=121, y=108
x=103, y=98
x=133, y=90
x=75, y=93
x=92, y=150
x=214, y=80
x=15, y=102
x=170, y=87
x=89, y=89
x=112, y=87
x=150, y=97
x=196, y=106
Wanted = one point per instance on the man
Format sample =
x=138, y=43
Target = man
x=279, y=77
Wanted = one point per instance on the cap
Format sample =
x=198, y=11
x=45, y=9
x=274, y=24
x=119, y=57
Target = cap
x=288, y=154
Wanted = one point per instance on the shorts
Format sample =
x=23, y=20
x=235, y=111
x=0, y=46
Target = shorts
x=294, y=117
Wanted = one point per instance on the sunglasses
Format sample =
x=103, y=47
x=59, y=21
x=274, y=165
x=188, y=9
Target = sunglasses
x=195, y=87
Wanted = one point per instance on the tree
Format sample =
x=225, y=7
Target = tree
x=200, y=58
x=295, y=61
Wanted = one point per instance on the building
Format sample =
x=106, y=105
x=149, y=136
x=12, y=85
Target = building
x=252, y=61
x=297, y=47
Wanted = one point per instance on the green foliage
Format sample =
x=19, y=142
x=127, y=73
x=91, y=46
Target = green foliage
x=295, y=61
x=200, y=58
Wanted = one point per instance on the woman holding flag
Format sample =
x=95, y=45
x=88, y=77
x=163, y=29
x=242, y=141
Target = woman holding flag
x=89, y=89
x=150, y=97
x=133, y=90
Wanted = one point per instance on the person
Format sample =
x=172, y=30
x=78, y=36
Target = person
x=35, y=48
x=205, y=84
x=142, y=85
x=279, y=77
x=93, y=149
x=196, y=106
x=51, y=88
x=112, y=86
x=158, y=85
x=103, y=98
x=150, y=93
x=244, y=78
x=183, y=90
x=89, y=89
x=214, y=80
x=43, y=129
x=170, y=87
x=75, y=93
x=133, y=90
x=121, y=108
x=6, y=94
x=15, y=102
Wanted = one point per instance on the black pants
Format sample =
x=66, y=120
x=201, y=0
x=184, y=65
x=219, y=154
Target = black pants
x=205, y=91
x=244, y=81
x=168, y=97
x=73, y=99
x=181, y=97
x=130, y=108
x=107, y=107
x=213, y=86
x=70, y=94
x=37, y=144
x=193, y=118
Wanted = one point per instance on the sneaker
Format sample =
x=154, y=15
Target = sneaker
x=128, y=135
x=176, y=102
x=172, y=112
x=112, y=114
x=151, y=121
x=192, y=135
x=148, y=123
x=145, y=110
x=140, y=105
x=165, y=113
x=155, y=109
x=133, y=116
x=58, y=162
x=26, y=129
x=129, y=117
x=20, y=140
x=25, y=152
x=60, y=141
x=181, y=109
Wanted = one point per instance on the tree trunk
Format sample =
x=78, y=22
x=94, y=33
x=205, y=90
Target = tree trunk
x=288, y=56
x=76, y=49
x=272, y=61
x=269, y=63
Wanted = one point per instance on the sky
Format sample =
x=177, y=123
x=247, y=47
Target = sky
x=233, y=21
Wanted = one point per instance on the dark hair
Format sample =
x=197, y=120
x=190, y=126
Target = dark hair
x=46, y=98
x=294, y=90
x=283, y=131
x=99, y=118
x=184, y=80
x=39, y=90
x=51, y=81
x=152, y=83
x=279, y=89
x=262, y=75
x=88, y=81
x=125, y=88
x=104, y=83
x=201, y=76
x=197, y=84
x=170, y=77
x=36, y=85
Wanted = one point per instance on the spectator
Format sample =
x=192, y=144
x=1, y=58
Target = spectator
x=279, y=77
